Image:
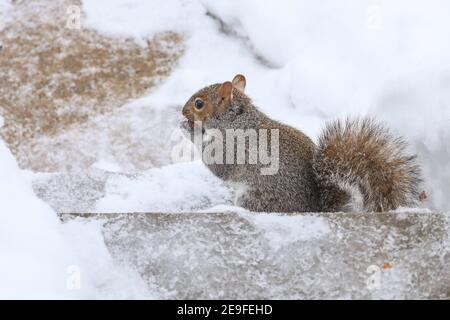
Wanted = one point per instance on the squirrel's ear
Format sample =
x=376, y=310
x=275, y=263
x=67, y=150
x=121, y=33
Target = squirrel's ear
x=239, y=82
x=226, y=91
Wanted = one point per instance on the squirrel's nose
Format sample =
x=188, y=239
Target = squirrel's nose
x=184, y=111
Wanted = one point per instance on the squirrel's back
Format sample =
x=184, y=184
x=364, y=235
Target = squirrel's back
x=357, y=164
x=360, y=162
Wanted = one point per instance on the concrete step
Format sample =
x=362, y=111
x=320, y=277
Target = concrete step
x=308, y=256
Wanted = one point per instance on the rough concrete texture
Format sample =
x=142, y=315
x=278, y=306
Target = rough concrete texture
x=262, y=256
x=56, y=80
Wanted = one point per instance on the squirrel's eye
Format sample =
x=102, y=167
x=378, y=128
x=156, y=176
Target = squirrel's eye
x=198, y=104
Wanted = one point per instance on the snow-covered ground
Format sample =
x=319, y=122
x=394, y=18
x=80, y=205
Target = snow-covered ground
x=43, y=259
x=308, y=63
x=305, y=63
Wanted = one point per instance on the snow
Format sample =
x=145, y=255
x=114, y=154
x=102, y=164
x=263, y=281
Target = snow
x=183, y=187
x=305, y=63
x=29, y=237
x=4, y=7
x=42, y=259
x=141, y=19
x=282, y=231
x=321, y=256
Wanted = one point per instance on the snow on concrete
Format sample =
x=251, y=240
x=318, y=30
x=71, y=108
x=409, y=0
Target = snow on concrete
x=305, y=63
x=43, y=259
x=183, y=187
x=252, y=256
x=310, y=62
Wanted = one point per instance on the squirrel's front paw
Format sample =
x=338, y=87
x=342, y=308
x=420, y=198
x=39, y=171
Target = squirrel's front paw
x=187, y=127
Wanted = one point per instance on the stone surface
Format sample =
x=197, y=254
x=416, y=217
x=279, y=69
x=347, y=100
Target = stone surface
x=62, y=88
x=259, y=256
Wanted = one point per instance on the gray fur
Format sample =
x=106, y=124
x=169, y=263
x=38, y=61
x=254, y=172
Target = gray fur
x=314, y=178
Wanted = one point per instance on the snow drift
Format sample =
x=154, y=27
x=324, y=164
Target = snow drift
x=307, y=63
x=43, y=259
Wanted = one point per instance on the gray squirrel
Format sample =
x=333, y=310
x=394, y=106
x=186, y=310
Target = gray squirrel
x=356, y=165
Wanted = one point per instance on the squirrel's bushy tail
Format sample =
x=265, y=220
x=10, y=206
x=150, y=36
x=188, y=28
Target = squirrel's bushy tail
x=361, y=159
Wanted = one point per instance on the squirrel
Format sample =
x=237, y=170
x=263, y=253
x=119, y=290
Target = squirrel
x=356, y=165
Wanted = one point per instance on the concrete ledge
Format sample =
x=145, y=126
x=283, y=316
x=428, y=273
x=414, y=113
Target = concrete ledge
x=307, y=256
